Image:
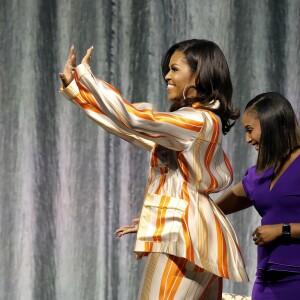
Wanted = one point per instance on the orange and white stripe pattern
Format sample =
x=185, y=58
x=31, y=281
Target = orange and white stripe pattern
x=187, y=163
x=174, y=278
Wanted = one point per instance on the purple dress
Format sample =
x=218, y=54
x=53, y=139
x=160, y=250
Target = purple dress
x=278, y=263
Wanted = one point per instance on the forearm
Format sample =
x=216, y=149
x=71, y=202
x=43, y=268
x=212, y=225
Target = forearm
x=295, y=230
x=233, y=200
x=92, y=110
x=278, y=230
x=267, y=233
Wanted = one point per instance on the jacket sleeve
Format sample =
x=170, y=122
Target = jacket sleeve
x=72, y=93
x=173, y=130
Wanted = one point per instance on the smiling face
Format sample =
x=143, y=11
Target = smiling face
x=179, y=76
x=252, y=126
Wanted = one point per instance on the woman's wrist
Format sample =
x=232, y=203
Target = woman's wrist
x=286, y=231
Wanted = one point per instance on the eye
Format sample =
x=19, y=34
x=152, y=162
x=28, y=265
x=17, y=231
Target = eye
x=174, y=69
x=248, y=128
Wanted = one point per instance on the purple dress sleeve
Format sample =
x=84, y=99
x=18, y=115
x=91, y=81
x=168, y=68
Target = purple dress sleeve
x=248, y=182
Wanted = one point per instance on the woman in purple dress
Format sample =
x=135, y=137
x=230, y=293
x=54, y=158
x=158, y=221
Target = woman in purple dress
x=273, y=188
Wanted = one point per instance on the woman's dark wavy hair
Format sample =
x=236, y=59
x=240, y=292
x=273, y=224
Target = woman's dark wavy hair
x=213, y=81
x=280, y=134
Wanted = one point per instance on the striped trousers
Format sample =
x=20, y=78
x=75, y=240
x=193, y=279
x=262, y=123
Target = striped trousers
x=173, y=278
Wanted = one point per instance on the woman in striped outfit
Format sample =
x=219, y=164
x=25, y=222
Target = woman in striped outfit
x=189, y=244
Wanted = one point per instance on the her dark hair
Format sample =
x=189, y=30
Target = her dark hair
x=280, y=134
x=213, y=81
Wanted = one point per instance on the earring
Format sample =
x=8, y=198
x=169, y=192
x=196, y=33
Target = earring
x=187, y=87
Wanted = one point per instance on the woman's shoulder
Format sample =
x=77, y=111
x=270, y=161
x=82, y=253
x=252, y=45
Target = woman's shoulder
x=253, y=174
x=191, y=113
x=211, y=124
x=251, y=171
x=204, y=112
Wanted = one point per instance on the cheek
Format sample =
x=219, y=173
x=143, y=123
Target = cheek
x=258, y=137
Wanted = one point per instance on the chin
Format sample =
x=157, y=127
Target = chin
x=173, y=100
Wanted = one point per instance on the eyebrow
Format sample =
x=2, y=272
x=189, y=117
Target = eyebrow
x=174, y=64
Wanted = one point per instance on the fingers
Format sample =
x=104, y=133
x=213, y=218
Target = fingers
x=73, y=61
x=87, y=58
x=138, y=256
x=66, y=76
x=72, y=51
x=126, y=229
x=258, y=240
x=63, y=79
x=120, y=233
x=136, y=221
x=123, y=228
x=72, y=57
x=257, y=237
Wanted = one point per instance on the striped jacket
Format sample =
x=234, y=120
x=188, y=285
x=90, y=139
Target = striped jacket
x=187, y=164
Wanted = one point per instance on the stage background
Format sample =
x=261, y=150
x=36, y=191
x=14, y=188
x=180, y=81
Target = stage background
x=65, y=184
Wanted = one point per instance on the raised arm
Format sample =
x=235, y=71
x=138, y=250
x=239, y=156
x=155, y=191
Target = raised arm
x=174, y=130
x=233, y=200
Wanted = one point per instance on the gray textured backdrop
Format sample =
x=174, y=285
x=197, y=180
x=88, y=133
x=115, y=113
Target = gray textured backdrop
x=65, y=184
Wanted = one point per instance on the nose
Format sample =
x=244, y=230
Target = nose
x=248, y=138
x=167, y=76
